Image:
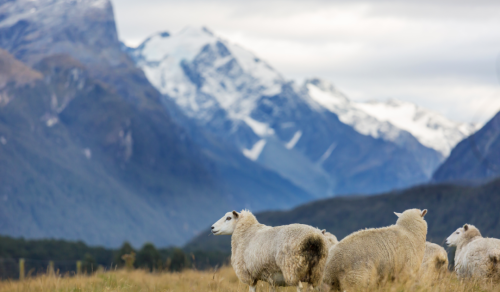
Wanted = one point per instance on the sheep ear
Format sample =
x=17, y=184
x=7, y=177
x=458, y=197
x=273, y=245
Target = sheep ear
x=398, y=214
x=236, y=215
x=423, y=212
x=466, y=227
x=323, y=231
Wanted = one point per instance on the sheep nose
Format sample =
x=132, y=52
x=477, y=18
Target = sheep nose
x=212, y=227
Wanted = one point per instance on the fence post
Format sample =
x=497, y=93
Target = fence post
x=21, y=269
x=78, y=267
x=51, y=268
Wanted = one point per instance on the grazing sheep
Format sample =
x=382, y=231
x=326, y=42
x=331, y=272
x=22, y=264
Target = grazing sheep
x=476, y=256
x=282, y=256
x=368, y=257
x=435, y=262
x=330, y=238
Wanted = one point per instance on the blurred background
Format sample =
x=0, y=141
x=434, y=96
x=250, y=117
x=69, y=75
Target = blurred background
x=128, y=128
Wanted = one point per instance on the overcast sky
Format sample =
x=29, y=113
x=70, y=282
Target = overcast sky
x=443, y=55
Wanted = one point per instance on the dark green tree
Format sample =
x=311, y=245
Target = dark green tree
x=125, y=249
x=178, y=261
x=148, y=257
x=89, y=264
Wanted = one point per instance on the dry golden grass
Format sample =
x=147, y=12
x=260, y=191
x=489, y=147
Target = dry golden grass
x=223, y=280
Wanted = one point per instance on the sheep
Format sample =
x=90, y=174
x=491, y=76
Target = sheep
x=330, y=238
x=435, y=262
x=475, y=256
x=282, y=256
x=368, y=257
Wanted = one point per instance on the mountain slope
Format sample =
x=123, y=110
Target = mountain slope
x=449, y=206
x=90, y=151
x=476, y=158
x=79, y=162
x=241, y=99
x=72, y=168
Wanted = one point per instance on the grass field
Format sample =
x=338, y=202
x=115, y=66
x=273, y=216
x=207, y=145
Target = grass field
x=223, y=280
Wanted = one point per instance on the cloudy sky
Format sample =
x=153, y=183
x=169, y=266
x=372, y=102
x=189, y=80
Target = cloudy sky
x=443, y=55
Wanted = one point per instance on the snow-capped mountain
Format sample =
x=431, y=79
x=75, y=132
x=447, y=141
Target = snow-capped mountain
x=387, y=119
x=311, y=135
x=235, y=78
x=207, y=77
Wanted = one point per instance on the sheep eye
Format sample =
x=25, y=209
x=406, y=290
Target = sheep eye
x=228, y=218
x=458, y=232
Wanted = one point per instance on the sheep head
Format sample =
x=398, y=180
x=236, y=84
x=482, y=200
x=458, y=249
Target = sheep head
x=462, y=234
x=226, y=224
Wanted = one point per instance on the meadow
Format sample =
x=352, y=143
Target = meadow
x=221, y=280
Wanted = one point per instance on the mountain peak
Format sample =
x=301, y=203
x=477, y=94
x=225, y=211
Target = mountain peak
x=183, y=45
x=378, y=118
x=325, y=93
x=195, y=62
x=321, y=84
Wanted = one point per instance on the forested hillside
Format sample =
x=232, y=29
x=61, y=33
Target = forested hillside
x=449, y=206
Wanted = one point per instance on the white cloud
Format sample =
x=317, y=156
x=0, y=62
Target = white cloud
x=439, y=54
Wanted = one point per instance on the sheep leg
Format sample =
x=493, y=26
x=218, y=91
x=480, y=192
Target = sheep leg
x=253, y=288
x=300, y=287
x=310, y=288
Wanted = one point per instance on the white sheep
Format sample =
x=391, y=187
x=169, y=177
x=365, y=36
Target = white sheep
x=282, y=256
x=330, y=238
x=475, y=256
x=435, y=262
x=368, y=257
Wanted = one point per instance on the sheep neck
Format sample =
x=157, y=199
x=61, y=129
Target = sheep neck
x=246, y=222
x=417, y=228
x=463, y=243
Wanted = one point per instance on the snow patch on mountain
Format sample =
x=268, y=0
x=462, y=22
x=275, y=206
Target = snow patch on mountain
x=294, y=140
x=259, y=128
x=254, y=153
x=327, y=153
x=387, y=119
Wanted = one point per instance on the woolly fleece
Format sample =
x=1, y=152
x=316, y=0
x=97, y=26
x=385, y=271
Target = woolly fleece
x=476, y=256
x=435, y=262
x=282, y=256
x=368, y=257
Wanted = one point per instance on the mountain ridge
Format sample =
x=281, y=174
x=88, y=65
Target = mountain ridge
x=390, y=118
x=475, y=159
x=241, y=99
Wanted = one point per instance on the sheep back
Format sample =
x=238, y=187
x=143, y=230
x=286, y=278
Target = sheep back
x=435, y=261
x=480, y=259
x=370, y=256
x=282, y=256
